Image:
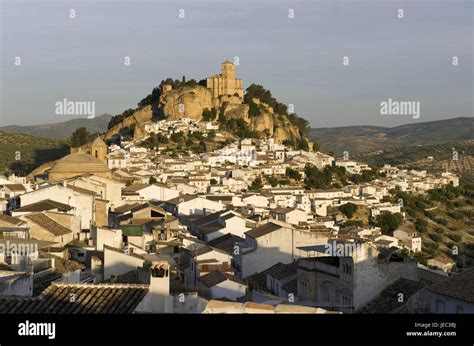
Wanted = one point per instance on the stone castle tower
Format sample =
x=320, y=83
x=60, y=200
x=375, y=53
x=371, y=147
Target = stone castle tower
x=225, y=84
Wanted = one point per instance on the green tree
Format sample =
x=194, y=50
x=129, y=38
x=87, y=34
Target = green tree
x=211, y=135
x=388, y=222
x=177, y=137
x=152, y=180
x=292, y=174
x=272, y=180
x=254, y=109
x=79, y=137
x=256, y=184
x=316, y=179
x=208, y=115
x=421, y=225
x=301, y=123
x=259, y=92
x=348, y=209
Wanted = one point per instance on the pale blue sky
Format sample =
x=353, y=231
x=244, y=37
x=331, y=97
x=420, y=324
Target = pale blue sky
x=299, y=60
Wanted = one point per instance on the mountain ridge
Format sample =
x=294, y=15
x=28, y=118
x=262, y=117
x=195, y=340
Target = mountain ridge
x=61, y=130
x=363, y=139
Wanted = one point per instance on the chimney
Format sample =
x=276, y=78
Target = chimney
x=159, y=291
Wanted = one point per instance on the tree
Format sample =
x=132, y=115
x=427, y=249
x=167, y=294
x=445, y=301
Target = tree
x=79, y=137
x=348, y=209
x=213, y=181
x=160, y=138
x=388, y=222
x=256, y=184
x=177, y=137
x=259, y=92
x=316, y=179
x=421, y=225
x=302, y=144
x=292, y=174
x=208, y=115
x=272, y=180
x=152, y=180
x=211, y=135
x=301, y=123
x=254, y=109
x=198, y=135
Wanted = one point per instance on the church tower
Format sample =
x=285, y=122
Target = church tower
x=99, y=149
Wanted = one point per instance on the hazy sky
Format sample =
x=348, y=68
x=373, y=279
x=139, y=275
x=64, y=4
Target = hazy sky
x=300, y=59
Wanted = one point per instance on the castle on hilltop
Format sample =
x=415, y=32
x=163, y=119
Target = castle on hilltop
x=225, y=84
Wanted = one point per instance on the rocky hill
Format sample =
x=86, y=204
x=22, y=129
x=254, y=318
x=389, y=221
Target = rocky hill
x=255, y=112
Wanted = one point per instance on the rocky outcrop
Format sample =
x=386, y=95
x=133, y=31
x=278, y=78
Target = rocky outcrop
x=284, y=130
x=140, y=116
x=190, y=102
x=185, y=102
x=218, y=102
x=265, y=122
x=271, y=124
x=237, y=111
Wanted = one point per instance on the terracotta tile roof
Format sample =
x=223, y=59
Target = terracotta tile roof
x=62, y=265
x=10, y=220
x=215, y=277
x=387, y=301
x=263, y=230
x=89, y=299
x=181, y=199
x=16, y=187
x=46, y=204
x=457, y=286
x=226, y=242
x=48, y=224
x=126, y=207
x=281, y=271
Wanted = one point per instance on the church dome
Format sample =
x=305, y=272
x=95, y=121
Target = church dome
x=77, y=164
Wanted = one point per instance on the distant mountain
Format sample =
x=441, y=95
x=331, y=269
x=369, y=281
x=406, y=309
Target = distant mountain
x=432, y=158
x=364, y=139
x=63, y=129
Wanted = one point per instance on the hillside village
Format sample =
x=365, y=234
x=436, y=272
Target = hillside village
x=253, y=225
